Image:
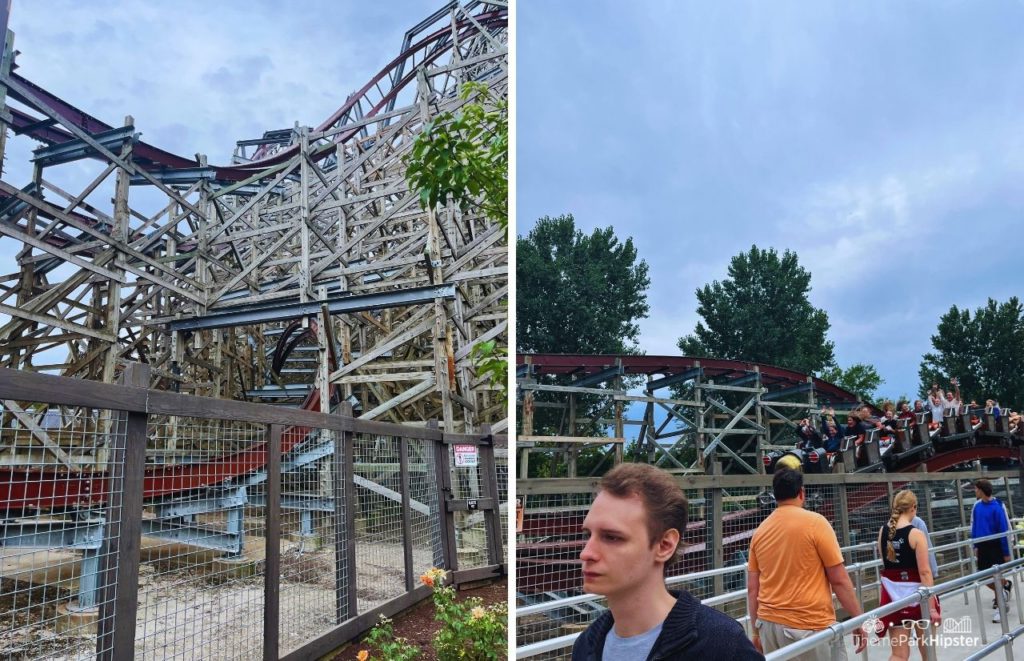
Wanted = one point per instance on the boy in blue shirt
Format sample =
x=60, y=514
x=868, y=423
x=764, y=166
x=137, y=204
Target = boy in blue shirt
x=989, y=518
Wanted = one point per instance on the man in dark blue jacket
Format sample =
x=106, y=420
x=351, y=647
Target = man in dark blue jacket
x=634, y=528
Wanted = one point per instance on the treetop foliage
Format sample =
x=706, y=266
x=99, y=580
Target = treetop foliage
x=860, y=378
x=984, y=351
x=463, y=156
x=760, y=313
x=578, y=293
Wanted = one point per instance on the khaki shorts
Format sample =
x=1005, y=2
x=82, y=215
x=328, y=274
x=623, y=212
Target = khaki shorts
x=776, y=636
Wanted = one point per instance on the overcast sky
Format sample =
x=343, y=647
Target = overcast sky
x=881, y=141
x=197, y=76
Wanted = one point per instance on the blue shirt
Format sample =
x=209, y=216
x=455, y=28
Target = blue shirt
x=988, y=519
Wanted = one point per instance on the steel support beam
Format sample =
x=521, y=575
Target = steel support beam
x=786, y=392
x=277, y=311
x=675, y=378
x=75, y=150
x=69, y=534
x=600, y=377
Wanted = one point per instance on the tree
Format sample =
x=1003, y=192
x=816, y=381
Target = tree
x=577, y=293
x=463, y=157
x=860, y=378
x=984, y=351
x=760, y=313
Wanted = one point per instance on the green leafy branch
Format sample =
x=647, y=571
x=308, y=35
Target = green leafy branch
x=462, y=156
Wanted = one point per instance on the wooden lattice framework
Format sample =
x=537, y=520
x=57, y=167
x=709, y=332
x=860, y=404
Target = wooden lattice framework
x=720, y=411
x=308, y=250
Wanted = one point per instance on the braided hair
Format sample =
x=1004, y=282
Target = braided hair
x=902, y=502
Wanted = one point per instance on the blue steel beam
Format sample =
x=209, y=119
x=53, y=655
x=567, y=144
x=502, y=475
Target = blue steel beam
x=297, y=501
x=749, y=377
x=207, y=538
x=74, y=150
x=338, y=304
x=675, y=378
x=79, y=535
x=786, y=392
x=600, y=377
x=192, y=506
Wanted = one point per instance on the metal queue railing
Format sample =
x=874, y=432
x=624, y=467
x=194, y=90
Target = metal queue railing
x=866, y=576
x=921, y=597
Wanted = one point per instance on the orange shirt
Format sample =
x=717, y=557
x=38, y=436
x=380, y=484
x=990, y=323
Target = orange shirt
x=791, y=549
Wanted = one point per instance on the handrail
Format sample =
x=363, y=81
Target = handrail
x=1002, y=641
x=20, y=385
x=710, y=573
x=920, y=597
x=561, y=642
x=670, y=581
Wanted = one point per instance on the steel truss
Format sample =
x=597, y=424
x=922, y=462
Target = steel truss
x=313, y=225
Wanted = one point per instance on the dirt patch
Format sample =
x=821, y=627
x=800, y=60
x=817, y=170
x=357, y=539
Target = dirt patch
x=419, y=626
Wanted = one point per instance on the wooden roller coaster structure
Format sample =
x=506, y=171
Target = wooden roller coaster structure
x=717, y=416
x=304, y=267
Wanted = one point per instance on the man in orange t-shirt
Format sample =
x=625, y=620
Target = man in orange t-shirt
x=795, y=564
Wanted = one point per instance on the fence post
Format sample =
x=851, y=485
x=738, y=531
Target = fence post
x=960, y=502
x=343, y=479
x=929, y=650
x=858, y=585
x=272, y=572
x=448, y=556
x=1004, y=608
x=403, y=466
x=927, y=502
x=717, y=553
x=1009, y=495
x=844, y=510
x=492, y=516
x=122, y=539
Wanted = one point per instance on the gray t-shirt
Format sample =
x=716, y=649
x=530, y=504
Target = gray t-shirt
x=919, y=523
x=634, y=648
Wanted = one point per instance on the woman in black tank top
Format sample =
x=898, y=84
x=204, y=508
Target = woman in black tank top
x=905, y=557
x=904, y=551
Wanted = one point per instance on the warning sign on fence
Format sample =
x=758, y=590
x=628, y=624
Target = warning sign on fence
x=465, y=456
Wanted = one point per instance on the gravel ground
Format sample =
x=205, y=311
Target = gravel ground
x=192, y=613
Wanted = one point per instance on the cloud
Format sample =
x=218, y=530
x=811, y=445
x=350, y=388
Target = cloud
x=230, y=65
x=239, y=73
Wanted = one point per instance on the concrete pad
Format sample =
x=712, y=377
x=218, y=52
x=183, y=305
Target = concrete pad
x=961, y=633
x=70, y=620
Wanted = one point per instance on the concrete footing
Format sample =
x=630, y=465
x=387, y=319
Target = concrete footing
x=228, y=568
x=73, y=620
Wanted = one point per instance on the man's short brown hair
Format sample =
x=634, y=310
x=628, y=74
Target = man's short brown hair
x=665, y=502
x=984, y=486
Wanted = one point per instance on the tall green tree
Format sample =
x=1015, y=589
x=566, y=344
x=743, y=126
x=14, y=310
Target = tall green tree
x=860, y=378
x=984, y=350
x=578, y=293
x=761, y=313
